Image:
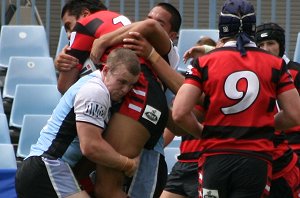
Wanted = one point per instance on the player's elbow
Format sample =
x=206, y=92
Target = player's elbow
x=87, y=150
x=178, y=116
x=295, y=119
x=61, y=87
x=151, y=25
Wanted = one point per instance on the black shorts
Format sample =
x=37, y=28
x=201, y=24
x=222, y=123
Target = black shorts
x=183, y=179
x=37, y=176
x=234, y=176
x=147, y=104
x=32, y=180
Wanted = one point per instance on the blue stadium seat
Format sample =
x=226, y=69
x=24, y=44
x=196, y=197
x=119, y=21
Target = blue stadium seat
x=7, y=157
x=171, y=154
x=62, y=41
x=4, y=130
x=175, y=142
x=8, y=168
x=1, y=103
x=22, y=40
x=297, y=50
x=188, y=38
x=30, y=132
x=28, y=70
x=33, y=99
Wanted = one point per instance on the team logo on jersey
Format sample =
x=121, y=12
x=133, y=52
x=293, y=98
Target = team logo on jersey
x=94, y=109
x=207, y=193
x=263, y=35
x=151, y=114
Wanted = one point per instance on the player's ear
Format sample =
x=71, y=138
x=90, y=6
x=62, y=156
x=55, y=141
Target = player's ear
x=173, y=35
x=105, y=70
x=85, y=12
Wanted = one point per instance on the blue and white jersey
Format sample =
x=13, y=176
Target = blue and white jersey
x=88, y=100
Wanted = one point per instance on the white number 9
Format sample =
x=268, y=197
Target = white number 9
x=245, y=99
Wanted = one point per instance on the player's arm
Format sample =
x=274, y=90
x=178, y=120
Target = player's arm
x=143, y=48
x=80, y=46
x=66, y=79
x=96, y=149
x=64, y=61
x=173, y=128
x=149, y=28
x=289, y=115
x=196, y=51
x=168, y=137
x=182, y=112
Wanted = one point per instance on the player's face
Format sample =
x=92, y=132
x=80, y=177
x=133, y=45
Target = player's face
x=271, y=46
x=162, y=16
x=69, y=22
x=119, y=82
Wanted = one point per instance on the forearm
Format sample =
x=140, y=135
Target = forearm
x=183, y=107
x=66, y=79
x=283, y=122
x=289, y=116
x=168, y=137
x=104, y=154
x=189, y=124
x=98, y=150
x=174, y=128
x=169, y=76
x=150, y=29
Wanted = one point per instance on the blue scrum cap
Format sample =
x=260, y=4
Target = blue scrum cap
x=237, y=20
x=237, y=16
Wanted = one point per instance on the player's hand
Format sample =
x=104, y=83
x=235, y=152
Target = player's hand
x=134, y=165
x=97, y=50
x=138, y=43
x=193, y=52
x=65, y=62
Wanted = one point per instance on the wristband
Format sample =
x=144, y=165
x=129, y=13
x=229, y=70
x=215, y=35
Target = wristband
x=208, y=48
x=124, y=164
x=152, y=51
x=153, y=56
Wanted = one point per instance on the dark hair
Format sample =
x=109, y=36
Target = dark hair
x=205, y=40
x=75, y=7
x=175, y=15
x=271, y=31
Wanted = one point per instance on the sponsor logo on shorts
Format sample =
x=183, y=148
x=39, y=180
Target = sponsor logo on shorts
x=94, y=109
x=151, y=114
x=207, y=193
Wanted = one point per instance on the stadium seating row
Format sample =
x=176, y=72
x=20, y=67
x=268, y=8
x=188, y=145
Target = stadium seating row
x=8, y=168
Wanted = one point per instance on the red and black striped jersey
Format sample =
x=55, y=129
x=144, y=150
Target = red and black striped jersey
x=190, y=149
x=240, y=98
x=91, y=27
x=293, y=134
x=284, y=158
